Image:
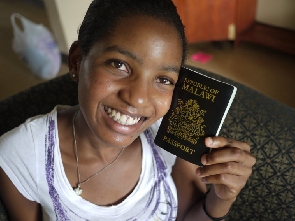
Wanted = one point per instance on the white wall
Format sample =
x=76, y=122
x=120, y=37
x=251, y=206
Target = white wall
x=65, y=17
x=279, y=13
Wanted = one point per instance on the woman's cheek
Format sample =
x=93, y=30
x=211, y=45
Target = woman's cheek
x=165, y=103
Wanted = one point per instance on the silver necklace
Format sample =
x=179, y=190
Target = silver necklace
x=78, y=190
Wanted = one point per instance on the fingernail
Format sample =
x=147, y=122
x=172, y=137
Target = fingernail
x=204, y=159
x=210, y=141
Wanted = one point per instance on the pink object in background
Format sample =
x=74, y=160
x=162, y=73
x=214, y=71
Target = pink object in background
x=201, y=57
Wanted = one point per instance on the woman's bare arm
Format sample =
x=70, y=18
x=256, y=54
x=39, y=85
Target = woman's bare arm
x=190, y=189
x=19, y=208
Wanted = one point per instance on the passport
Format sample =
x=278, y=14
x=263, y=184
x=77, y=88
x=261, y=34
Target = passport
x=198, y=109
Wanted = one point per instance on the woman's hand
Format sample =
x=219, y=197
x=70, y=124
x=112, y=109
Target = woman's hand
x=228, y=166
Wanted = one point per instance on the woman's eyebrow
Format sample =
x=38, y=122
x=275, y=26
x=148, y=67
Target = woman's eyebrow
x=170, y=69
x=120, y=50
x=116, y=48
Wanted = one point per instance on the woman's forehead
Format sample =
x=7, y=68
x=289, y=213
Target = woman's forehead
x=144, y=28
x=138, y=34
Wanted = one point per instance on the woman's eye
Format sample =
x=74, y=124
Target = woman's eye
x=120, y=65
x=165, y=81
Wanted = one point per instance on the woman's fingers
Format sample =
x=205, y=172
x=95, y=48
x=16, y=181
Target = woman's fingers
x=227, y=166
x=227, y=150
x=233, y=175
x=231, y=168
x=218, y=142
x=229, y=154
x=232, y=182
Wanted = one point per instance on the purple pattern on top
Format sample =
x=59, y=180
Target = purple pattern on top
x=155, y=193
x=60, y=212
x=161, y=178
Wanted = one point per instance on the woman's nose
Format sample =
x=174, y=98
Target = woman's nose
x=137, y=93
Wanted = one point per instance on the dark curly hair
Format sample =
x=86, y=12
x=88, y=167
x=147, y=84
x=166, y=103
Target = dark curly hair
x=103, y=15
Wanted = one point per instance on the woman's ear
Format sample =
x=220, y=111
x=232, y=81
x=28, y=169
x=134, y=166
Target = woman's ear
x=74, y=60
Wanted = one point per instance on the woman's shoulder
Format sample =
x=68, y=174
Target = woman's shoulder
x=42, y=120
x=30, y=127
x=25, y=128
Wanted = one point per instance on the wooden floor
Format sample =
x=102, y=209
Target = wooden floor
x=266, y=70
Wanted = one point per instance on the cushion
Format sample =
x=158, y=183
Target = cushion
x=39, y=99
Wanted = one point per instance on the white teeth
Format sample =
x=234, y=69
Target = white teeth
x=113, y=113
x=122, y=118
x=130, y=121
x=117, y=116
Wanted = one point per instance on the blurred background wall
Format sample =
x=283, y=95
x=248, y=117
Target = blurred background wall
x=280, y=13
x=65, y=17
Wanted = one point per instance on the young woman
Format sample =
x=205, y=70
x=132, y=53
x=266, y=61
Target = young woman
x=97, y=160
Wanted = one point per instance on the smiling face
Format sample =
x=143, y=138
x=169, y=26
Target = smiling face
x=126, y=81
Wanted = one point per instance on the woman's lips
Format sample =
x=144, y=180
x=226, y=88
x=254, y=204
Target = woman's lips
x=121, y=118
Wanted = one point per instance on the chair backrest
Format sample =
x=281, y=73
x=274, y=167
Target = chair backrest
x=269, y=127
x=39, y=99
